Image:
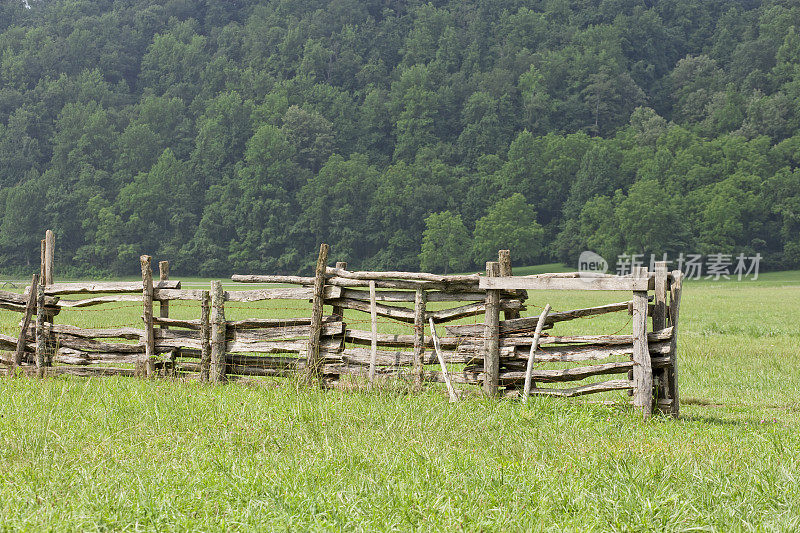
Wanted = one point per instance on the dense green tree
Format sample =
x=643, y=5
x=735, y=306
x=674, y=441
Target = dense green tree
x=510, y=224
x=445, y=243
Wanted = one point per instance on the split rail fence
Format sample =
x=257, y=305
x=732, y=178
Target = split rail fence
x=497, y=355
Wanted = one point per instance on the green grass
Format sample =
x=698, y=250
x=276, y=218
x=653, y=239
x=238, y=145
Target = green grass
x=99, y=454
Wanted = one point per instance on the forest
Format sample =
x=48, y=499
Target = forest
x=235, y=136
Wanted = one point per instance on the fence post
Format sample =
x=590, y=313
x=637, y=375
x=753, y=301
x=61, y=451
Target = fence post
x=163, y=305
x=163, y=312
x=672, y=371
x=491, y=335
x=420, y=307
x=205, y=335
x=218, y=333
x=48, y=257
x=338, y=309
x=146, y=368
x=41, y=319
x=313, y=359
x=642, y=370
x=504, y=259
x=659, y=323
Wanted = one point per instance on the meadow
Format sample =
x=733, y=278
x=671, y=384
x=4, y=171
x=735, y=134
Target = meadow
x=127, y=454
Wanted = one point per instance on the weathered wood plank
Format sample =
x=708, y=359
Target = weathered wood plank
x=110, y=287
x=177, y=323
x=99, y=333
x=401, y=314
x=567, y=374
x=281, y=293
x=362, y=357
x=295, y=280
x=406, y=276
x=68, y=356
x=408, y=296
x=99, y=300
x=569, y=284
x=177, y=294
x=519, y=325
x=259, y=323
x=600, y=340
x=356, y=336
x=405, y=284
x=604, y=386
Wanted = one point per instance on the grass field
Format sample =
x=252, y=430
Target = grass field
x=123, y=454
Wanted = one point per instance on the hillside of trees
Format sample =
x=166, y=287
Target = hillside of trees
x=235, y=136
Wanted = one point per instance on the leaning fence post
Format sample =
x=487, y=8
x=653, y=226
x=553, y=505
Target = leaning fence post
x=205, y=337
x=642, y=370
x=30, y=305
x=147, y=367
x=491, y=335
x=218, y=333
x=420, y=306
x=313, y=358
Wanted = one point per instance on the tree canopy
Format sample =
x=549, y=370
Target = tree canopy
x=235, y=136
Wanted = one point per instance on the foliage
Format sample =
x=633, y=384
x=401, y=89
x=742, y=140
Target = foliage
x=237, y=135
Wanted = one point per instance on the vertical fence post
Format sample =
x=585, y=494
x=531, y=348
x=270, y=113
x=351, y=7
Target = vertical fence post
x=659, y=323
x=313, y=358
x=163, y=275
x=146, y=368
x=205, y=336
x=642, y=370
x=218, y=333
x=47, y=279
x=420, y=306
x=672, y=371
x=41, y=318
x=163, y=312
x=373, y=349
x=491, y=335
x=338, y=309
x=504, y=259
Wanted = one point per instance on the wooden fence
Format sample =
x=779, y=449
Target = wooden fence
x=497, y=355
